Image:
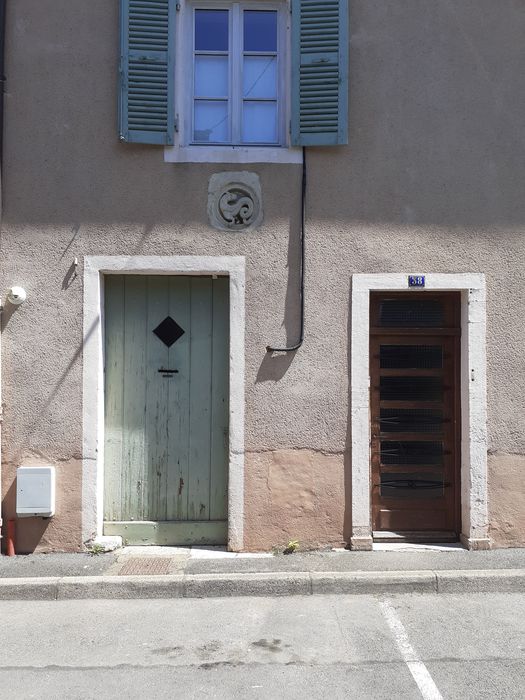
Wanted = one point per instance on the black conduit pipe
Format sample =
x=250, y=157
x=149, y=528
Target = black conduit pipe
x=292, y=348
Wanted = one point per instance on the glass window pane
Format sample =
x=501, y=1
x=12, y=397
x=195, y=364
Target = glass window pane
x=405, y=452
x=211, y=122
x=211, y=30
x=411, y=388
x=260, y=76
x=211, y=76
x=259, y=122
x=260, y=30
x=411, y=313
x=411, y=356
x=411, y=420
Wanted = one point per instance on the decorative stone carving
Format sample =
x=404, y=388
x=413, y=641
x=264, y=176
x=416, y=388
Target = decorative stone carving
x=234, y=201
x=236, y=207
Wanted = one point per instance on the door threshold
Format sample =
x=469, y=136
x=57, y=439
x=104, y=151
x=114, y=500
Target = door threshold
x=414, y=537
x=171, y=533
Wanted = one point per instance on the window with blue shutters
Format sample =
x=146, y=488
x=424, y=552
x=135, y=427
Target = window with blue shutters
x=254, y=76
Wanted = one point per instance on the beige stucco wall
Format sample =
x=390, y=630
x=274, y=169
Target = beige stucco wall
x=431, y=181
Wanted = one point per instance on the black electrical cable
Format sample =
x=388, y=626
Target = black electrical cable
x=292, y=348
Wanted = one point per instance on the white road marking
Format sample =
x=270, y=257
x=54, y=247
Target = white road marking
x=417, y=668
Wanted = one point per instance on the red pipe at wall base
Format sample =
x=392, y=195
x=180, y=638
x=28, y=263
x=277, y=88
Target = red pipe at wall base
x=10, y=539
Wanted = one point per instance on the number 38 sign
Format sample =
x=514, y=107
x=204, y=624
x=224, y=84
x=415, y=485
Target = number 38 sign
x=416, y=280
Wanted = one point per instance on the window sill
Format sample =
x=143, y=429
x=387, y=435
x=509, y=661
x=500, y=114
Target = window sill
x=231, y=154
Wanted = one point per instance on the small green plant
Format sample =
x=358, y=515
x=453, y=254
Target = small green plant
x=95, y=549
x=291, y=547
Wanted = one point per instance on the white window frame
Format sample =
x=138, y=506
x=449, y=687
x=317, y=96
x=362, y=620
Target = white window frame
x=183, y=149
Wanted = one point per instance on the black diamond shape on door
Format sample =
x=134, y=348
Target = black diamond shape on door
x=168, y=331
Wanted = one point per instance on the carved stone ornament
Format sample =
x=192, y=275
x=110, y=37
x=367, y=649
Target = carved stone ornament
x=236, y=207
x=234, y=201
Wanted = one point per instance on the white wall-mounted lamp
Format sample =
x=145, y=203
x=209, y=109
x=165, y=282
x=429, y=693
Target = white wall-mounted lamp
x=16, y=296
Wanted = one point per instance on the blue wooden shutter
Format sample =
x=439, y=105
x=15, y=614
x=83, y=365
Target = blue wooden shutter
x=147, y=49
x=319, y=72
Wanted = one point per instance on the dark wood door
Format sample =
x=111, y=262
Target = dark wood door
x=415, y=422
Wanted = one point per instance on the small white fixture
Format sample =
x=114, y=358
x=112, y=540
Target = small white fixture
x=35, y=492
x=16, y=295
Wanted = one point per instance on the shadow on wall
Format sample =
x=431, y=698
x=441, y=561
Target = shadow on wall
x=34, y=528
x=29, y=531
x=7, y=312
x=437, y=97
x=34, y=533
x=437, y=94
x=42, y=413
x=275, y=364
x=71, y=275
x=74, y=230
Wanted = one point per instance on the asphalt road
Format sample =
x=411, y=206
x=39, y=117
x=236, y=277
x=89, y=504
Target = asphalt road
x=405, y=646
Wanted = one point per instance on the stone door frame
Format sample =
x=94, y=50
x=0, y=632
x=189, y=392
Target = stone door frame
x=95, y=268
x=474, y=505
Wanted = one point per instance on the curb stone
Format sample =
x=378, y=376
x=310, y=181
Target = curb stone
x=370, y=582
x=85, y=587
x=490, y=581
x=263, y=584
x=29, y=588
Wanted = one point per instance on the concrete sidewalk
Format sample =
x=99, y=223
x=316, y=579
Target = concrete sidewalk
x=168, y=572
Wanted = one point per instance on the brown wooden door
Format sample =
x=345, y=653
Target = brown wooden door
x=415, y=422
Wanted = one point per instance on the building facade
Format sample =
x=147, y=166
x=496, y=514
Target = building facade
x=163, y=165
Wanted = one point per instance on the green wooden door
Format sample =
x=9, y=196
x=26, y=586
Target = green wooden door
x=166, y=409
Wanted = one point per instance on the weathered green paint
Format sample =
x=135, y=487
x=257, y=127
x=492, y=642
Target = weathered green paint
x=319, y=72
x=147, y=59
x=166, y=446
x=169, y=533
x=219, y=396
x=178, y=409
x=135, y=440
x=200, y=411
x=114, y=397
x=157, y=398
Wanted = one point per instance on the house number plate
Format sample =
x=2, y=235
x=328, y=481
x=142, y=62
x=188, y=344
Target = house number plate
x=416, y=280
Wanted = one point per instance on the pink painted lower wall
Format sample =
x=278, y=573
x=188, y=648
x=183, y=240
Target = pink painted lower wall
x=294, y=495
x=506, y=509
x=289, y=495
x=61, y=533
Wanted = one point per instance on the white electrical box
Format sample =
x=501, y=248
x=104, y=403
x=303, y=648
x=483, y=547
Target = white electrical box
x=35, y=492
